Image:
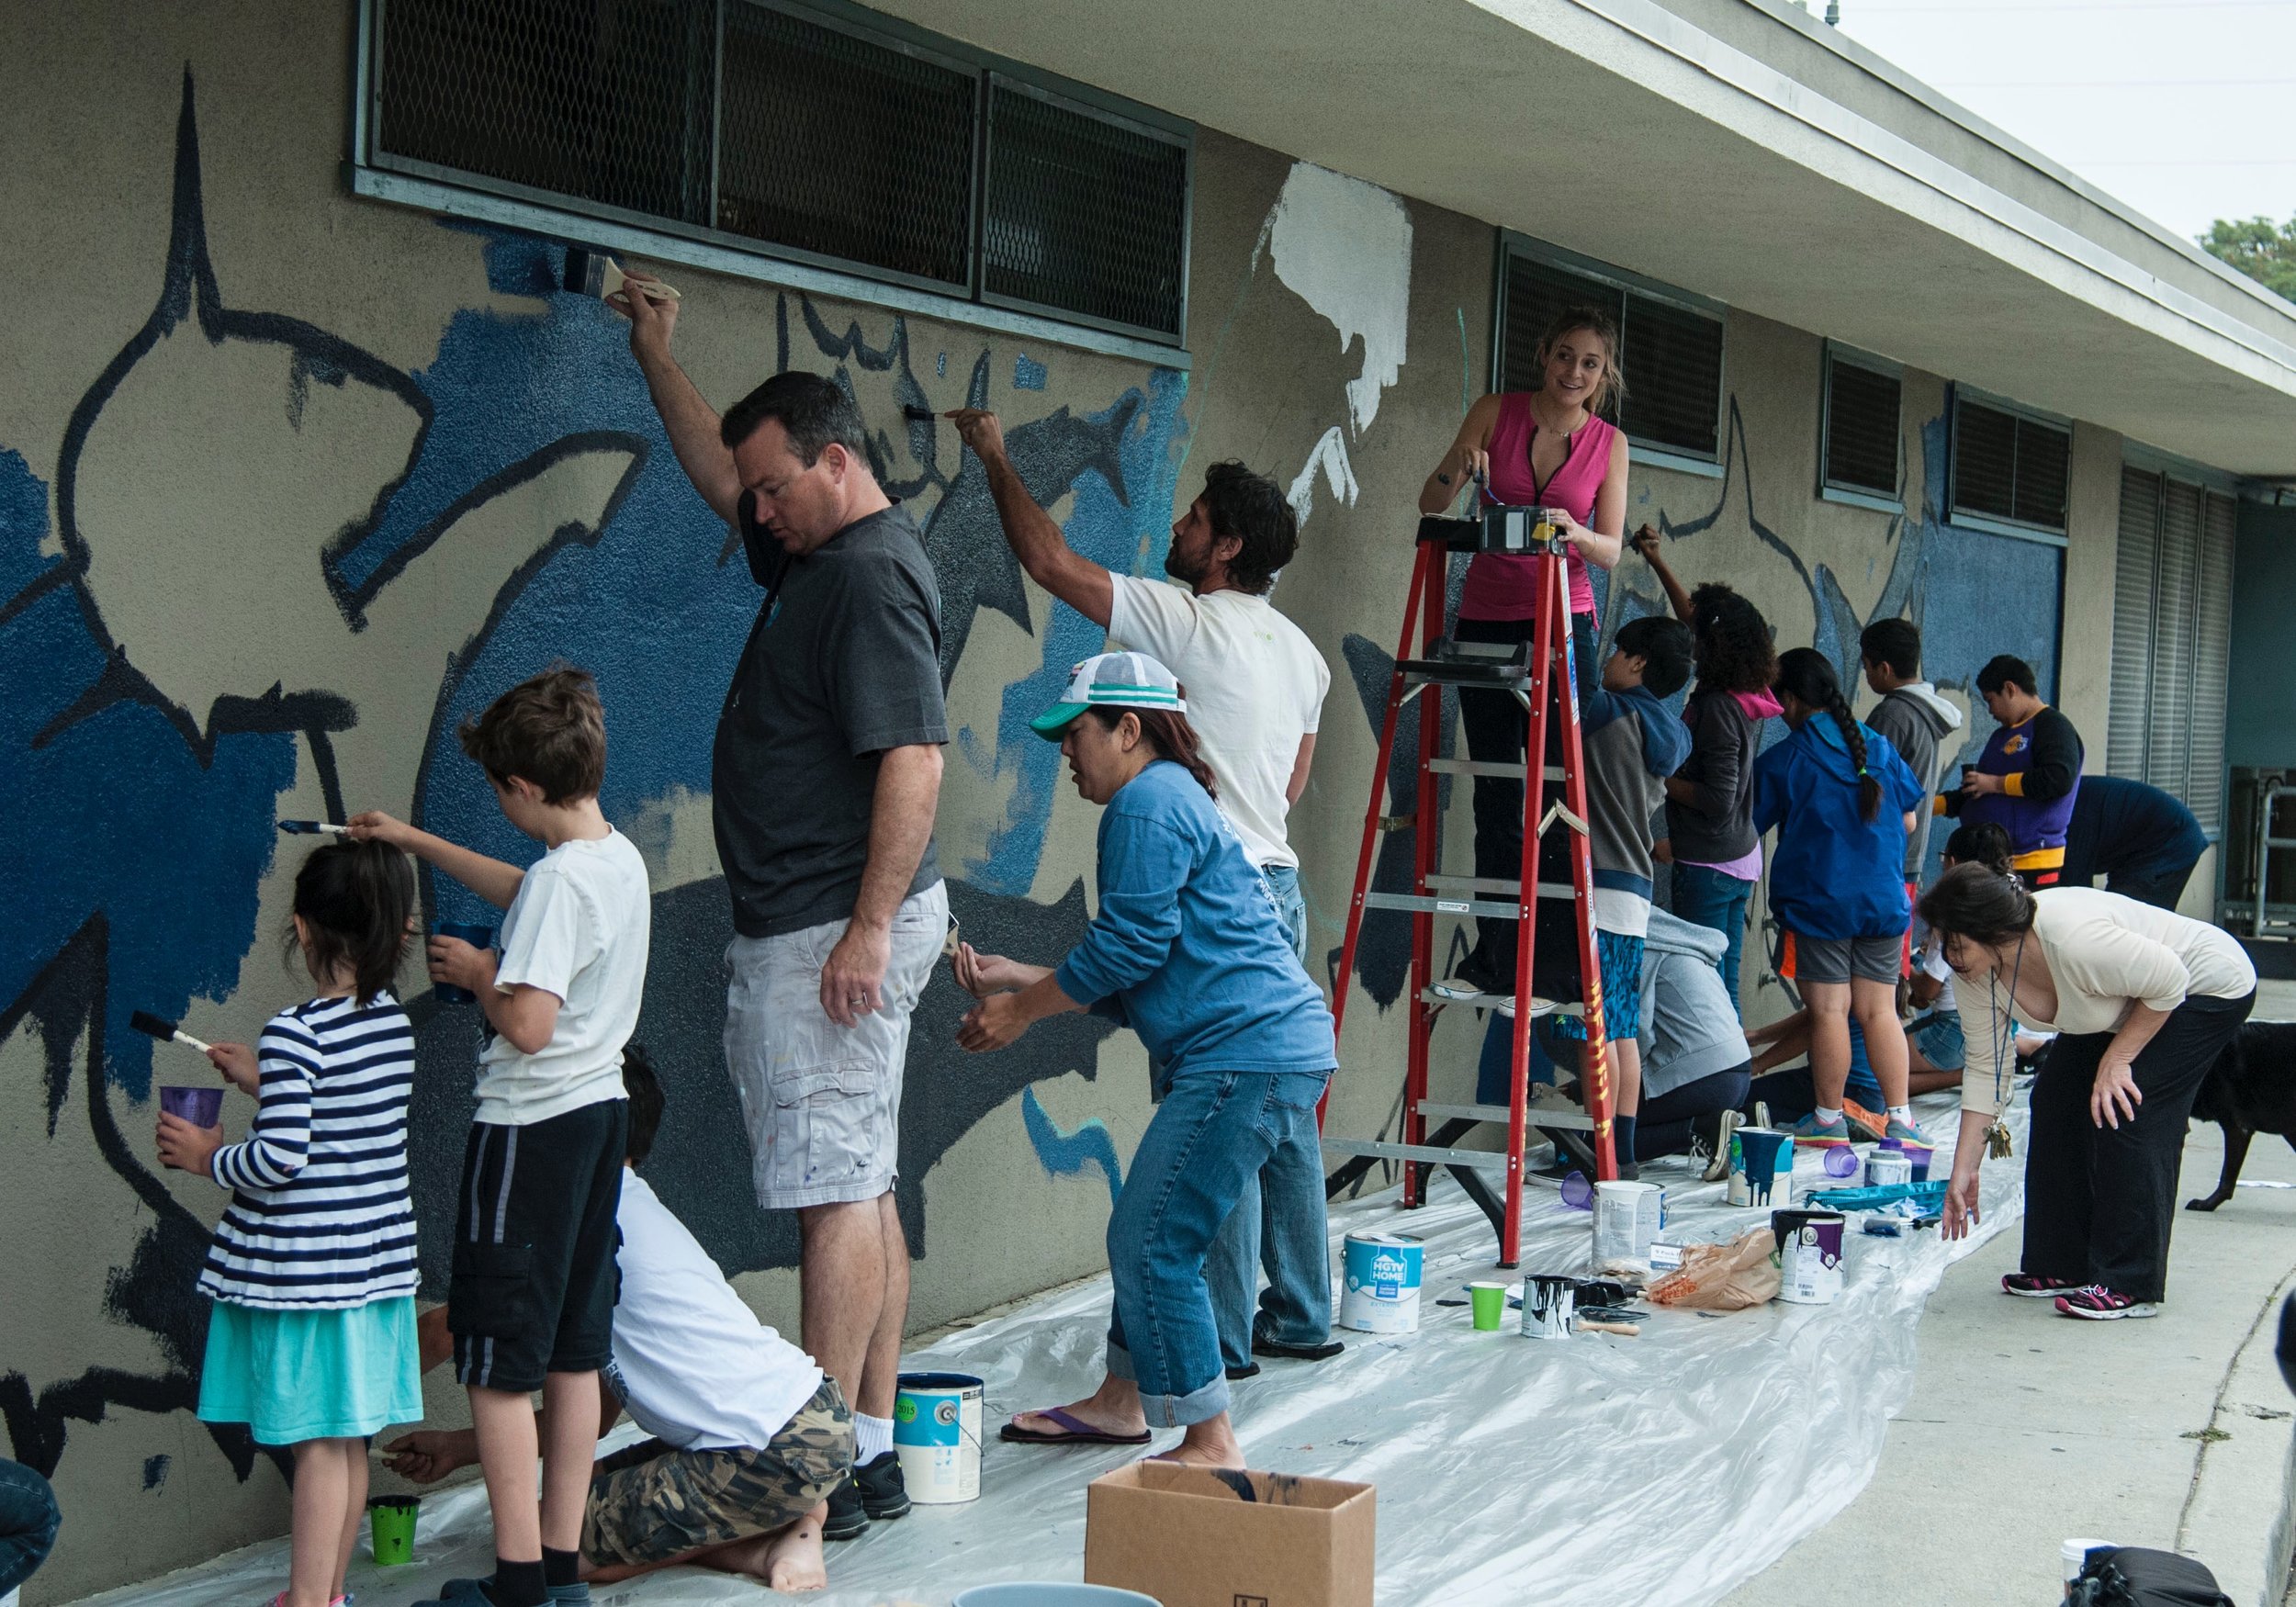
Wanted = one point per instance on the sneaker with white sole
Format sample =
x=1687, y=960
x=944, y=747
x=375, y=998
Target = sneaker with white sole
x=1717, y=1165
x=1822, y=1134
x=2099, y=1304
x=2031, y=1286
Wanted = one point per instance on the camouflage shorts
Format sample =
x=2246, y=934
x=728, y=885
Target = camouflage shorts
x=651, y=1502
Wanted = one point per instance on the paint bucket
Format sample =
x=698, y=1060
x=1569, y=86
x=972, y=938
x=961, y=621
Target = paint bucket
x=391, y=1526
x=477, y=936
x=1380, y=1282
x=1051, y=1595
x=1547, y=1302
x=1888, y=1164
x=937, y=1422
x=1841, y=1161
x=199, y=1106
x=1918, y=1156
x=1761, y=1167
x=1810, y=1255
x=1628, y=1217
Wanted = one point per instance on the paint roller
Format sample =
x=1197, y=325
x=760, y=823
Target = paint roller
x=165, y=1031
x=313, y=828
x=592, y=273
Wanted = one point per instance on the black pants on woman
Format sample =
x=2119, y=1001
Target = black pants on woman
x=1498, y=726
x=2099, y=1200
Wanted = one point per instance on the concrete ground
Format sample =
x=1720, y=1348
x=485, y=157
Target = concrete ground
x=2026, y=1428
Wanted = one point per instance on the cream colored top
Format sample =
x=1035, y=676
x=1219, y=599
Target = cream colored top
x=2106, y=953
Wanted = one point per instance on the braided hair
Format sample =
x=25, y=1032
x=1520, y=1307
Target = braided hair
x=1805, y=675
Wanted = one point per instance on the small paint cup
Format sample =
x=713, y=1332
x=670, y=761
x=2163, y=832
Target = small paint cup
x=477, y=936
x=1490, y=1301
x=1578, y=1193
x=2075, y=1556
x=1920, y=1155
x=390, y=1521
x=199, y=1106
x=1842, y=1162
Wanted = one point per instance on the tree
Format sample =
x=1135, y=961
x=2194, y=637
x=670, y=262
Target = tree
x=2264, y=251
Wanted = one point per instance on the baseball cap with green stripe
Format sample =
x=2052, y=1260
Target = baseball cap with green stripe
x=1118, y=680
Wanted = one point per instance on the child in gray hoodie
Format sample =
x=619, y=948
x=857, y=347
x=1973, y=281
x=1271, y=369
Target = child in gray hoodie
x=1912, y=715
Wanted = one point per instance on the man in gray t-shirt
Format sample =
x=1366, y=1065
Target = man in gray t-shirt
x=824, y=776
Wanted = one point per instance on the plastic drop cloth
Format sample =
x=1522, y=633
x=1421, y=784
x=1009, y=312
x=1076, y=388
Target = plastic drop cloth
x=1671, y=1467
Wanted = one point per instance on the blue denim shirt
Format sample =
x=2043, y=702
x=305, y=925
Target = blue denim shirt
x=1188, y=943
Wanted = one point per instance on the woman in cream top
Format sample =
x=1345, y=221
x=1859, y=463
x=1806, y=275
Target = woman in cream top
x=2143, y=1000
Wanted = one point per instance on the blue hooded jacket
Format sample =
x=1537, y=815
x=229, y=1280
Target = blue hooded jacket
x=1834, y=875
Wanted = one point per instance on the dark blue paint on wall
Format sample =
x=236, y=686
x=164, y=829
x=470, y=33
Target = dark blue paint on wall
x=1066, y=1154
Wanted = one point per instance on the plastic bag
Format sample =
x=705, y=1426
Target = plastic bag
x=2132, y=1576
x=1723, y=1277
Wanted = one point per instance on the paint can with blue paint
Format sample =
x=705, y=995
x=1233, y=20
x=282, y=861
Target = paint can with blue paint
x=477, y=936
x=1380, y=1282
x=937, y=1425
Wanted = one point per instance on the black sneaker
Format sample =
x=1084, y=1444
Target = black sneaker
x=883, y=1495
x=1237, y=1374
x=847, y=1519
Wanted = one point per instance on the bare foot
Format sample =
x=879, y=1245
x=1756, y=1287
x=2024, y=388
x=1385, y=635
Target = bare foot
x=1209, y=1444
x=793, y=1558
x=1113, y=1409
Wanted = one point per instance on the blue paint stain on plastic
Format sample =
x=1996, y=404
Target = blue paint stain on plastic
x=155, y=1471
x=1027, y=373
x=1067, y=1155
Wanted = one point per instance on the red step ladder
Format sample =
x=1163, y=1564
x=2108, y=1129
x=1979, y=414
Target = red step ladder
x=1542, y=674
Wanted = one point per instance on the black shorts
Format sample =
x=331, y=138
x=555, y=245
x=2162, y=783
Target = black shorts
x=534, y=1281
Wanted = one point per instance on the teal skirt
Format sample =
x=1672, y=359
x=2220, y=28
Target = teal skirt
x=296, y=1375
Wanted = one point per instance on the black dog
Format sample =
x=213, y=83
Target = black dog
x=2251, y=1089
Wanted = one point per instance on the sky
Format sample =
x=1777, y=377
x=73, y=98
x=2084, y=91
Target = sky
x=2178, y=107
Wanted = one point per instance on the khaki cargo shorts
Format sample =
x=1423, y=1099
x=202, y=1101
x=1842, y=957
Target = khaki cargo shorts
x=823, y=1102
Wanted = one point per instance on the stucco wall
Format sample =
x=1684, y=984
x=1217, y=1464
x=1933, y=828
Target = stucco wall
x=291, y=482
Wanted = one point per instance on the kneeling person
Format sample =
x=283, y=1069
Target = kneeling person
x=749, y=1435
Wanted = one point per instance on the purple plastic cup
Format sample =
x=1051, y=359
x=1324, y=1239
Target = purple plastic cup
x=1577, y=1192
x=477, y=936
x=1841, y=1161
x=199, y=1106
x=1921, y=1155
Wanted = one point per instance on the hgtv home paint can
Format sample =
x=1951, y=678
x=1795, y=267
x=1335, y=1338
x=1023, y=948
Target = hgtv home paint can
x=937, y=1423
x=1810, y=1255
x=1380, y=1284
x=1628, y=1217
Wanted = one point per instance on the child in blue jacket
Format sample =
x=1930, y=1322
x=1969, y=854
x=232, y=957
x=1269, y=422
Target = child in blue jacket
x=1842, y=802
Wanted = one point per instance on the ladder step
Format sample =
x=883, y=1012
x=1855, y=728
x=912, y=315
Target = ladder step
x=1386, y=1150
x=1491, y=768
x=1442, y=672
x=1561, y=1113
x=1490, y=1001
x=1461, y=906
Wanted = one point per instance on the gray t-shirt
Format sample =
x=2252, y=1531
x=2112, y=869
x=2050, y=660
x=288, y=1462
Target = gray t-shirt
x=846, y=665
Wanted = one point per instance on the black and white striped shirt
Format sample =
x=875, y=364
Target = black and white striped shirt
x=319, y=1213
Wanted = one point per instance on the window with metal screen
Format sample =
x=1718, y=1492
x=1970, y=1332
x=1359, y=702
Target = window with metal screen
x=2009, y=467
x=1862, y=422
x=1083, y=213
x=842, y=147
x=788, y=127
x=2172, y=637
x=1669, y=353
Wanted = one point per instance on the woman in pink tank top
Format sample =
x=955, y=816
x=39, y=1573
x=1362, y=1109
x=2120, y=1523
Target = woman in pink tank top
x=1543, y=448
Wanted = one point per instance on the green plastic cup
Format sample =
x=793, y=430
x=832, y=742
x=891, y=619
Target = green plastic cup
x=1490, y=1301
x=391, y=1519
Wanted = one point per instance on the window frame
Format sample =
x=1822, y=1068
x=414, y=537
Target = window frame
x=1829, y=488
x=1995, y=523
x=377, y=174
x=1647, y=454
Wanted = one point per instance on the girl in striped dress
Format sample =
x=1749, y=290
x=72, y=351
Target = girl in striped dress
x=311, y=1341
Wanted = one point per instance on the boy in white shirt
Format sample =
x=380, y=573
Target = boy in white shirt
x=531, y=1301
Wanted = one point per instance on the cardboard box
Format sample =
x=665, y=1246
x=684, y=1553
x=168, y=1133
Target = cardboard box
x=1197, y=1537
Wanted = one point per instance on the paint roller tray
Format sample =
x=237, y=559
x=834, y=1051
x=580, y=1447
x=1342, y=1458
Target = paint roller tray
x=1927, y=1195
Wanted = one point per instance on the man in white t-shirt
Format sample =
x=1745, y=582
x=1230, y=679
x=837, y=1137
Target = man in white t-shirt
x=749, y=1436
x=1255, y=688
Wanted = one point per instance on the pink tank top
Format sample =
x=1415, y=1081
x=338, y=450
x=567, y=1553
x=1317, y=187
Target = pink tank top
x=1499, y=587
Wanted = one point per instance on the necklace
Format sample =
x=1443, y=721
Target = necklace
x=1997, y=1137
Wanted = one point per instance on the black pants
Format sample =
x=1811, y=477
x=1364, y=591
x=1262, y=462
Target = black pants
x=1663, y=1127
x=1498, y=726
x=2162, y=886
x=2099, y=1200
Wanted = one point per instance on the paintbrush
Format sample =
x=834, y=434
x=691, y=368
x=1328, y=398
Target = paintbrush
x=591, y=273
x=165, y=1031
x=313, y=828
x=915, y=414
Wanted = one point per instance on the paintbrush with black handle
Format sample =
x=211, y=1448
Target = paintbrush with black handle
x=165, y=1031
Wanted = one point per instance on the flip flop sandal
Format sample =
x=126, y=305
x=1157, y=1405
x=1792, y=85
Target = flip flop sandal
x=1078, y=1432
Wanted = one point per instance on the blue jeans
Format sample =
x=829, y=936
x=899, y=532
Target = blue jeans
x=28, y=1520
x=1278, y=1222
x=1210, y=1138
x=1710, y=898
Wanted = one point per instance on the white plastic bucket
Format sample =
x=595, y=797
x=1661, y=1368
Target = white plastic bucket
x=1628, y=1217
x=1380, y=1282
x=1068, y=1594
x=937, y=1424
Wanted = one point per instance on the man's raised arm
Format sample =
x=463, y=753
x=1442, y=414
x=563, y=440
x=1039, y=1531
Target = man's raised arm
x=1036, y=540
x=691, y=422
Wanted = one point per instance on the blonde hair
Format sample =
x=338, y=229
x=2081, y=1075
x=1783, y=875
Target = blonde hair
x=1569, y=321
